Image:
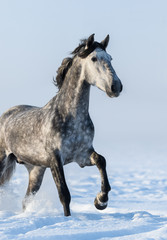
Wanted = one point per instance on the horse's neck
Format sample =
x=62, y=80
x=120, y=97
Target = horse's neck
x=73, y=97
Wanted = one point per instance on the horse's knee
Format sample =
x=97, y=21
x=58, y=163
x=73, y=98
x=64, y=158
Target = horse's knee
x=101, y=162
x=98, y=160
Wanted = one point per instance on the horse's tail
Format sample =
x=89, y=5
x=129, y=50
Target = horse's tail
x=7, y=167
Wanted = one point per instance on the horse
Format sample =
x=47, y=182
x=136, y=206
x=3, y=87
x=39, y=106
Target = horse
x=62, y=131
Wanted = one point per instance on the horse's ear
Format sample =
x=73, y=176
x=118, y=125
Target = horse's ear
x=90, y=41
x=104, y=43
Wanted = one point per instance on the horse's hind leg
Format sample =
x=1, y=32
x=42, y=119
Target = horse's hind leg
x=2, y=167
x=35, y=179
x=101, y=199
x=7, y=166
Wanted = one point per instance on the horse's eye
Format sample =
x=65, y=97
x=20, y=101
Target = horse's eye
x=94, y=59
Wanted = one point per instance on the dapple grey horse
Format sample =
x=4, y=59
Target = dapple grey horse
x=62, y=131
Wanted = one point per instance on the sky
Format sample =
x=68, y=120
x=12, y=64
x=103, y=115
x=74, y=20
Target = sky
x=36, y=35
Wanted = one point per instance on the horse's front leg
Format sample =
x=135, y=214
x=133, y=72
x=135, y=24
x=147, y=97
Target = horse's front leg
x=59, y=178
x=101, y=199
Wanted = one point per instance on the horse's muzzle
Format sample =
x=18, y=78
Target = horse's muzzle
x=116, y=88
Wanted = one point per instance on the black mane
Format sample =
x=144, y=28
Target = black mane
x=80, y=51
x=61, y=72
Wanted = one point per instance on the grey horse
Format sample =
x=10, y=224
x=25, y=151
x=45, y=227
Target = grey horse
x=62, y=131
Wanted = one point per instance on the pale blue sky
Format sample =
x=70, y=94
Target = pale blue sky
x=35, y=35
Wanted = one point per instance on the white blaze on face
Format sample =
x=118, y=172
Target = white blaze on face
x=99, y=70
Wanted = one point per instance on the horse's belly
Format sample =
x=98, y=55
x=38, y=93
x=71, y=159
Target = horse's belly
x=28, y=150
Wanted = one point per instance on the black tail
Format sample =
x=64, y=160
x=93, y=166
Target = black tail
x=7, y=167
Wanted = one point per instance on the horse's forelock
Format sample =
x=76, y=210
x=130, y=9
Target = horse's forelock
x=83, y=52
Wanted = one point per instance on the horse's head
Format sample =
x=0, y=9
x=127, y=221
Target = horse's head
x=97, y=69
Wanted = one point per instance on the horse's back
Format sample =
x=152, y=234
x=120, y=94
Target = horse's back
x=10, y=116
x=13, y=112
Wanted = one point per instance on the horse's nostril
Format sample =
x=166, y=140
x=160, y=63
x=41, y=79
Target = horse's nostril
x=113, y=88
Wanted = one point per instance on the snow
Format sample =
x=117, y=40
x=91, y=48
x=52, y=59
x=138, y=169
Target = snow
x=136, y=209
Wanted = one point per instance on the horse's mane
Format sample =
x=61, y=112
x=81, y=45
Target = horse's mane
x=80, y=51
x=62, y=71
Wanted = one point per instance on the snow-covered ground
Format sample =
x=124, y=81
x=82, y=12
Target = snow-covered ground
x=137, y=206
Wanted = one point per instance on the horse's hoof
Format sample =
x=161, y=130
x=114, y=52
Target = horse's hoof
x=100, y=205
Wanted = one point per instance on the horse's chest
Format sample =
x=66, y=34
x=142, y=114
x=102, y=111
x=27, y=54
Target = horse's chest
x=77, y=140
